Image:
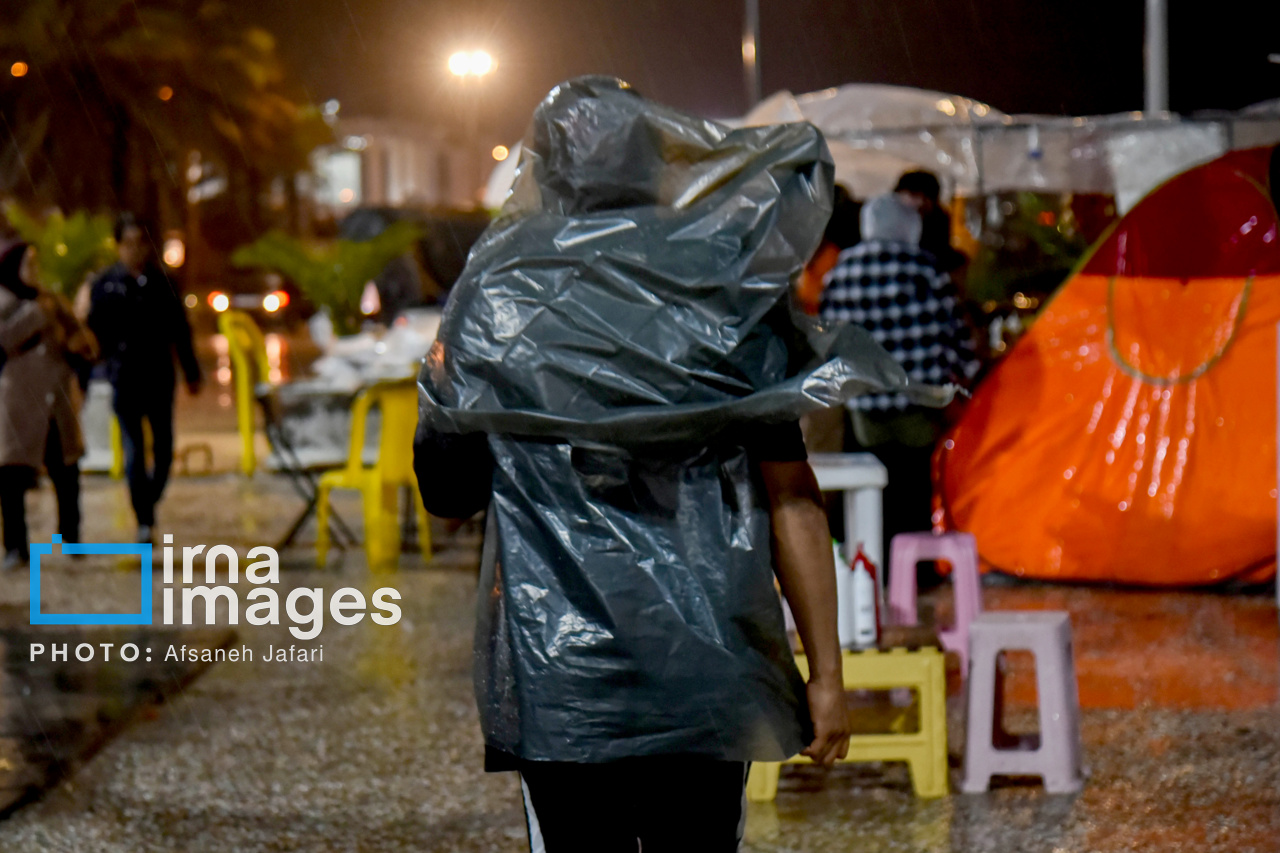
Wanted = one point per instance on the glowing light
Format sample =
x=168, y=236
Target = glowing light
x=749, y=50
x=165, y=93
x=19, y=69
x=481, y=63
x=370, y=301
x=191, y=300
x=275, y=346
x=356, y=143
x=501, y=152
x=60, y=250
x=331, y=107
x=175, y=253
x=347, y=196
x=271, y=303
x=475, y=63
x=946, y=106
x=219, y=301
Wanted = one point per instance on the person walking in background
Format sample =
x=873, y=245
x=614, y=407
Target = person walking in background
x=889, y=285
x=42, y=350
x=137, y=314
x=921, y=191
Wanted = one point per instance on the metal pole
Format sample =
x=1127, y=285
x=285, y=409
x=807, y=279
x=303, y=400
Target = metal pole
x=476, y=156
x=750, y=49
x=1156, y=98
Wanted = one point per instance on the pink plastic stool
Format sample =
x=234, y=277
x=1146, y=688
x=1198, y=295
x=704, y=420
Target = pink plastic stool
x=1057, y=757
x=958, y=549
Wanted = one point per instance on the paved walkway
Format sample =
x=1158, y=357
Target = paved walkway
x=377, y=747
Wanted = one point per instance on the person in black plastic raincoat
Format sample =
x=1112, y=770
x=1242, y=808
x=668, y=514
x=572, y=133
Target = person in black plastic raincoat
x=618, y=378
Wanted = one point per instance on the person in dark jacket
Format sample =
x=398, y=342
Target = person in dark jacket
x=137, y=314
x=41, y=346
x=921, y=190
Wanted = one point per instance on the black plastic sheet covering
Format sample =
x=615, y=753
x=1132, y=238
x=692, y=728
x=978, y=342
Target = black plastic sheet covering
x=616, y=331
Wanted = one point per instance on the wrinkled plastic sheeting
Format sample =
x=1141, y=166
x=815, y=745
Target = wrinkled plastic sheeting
x=1143, y=159
x=1131, y=435
x=630, y=304
x=640, y=274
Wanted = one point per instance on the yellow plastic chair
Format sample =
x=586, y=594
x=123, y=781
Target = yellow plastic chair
x=380, y=484
x=248, y=350
x=925, y=751
x=117, y=450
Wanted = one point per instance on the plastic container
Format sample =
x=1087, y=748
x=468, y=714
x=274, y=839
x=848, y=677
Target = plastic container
x=864, y=608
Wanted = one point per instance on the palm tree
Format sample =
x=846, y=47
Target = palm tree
x=70, y=247
x=331, y=274
x=119, y=93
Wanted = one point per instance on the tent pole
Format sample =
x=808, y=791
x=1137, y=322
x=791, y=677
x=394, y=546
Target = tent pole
x=1156, y=92
x=750, y=48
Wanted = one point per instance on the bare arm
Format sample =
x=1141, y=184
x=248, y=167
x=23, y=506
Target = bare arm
x=806, y=572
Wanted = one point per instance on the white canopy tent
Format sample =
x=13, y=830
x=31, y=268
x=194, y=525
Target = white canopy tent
x=877, y=132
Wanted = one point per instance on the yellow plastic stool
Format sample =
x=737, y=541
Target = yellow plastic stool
x=248, y=349
x=379, y=485
x=925, y=751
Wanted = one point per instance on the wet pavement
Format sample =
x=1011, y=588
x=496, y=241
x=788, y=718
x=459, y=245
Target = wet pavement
x=377, y=746
x=56, y=714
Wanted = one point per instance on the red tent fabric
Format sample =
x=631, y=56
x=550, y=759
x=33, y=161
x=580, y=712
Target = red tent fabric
x=1131, y=435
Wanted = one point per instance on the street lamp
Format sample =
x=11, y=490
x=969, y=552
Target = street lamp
x=471, y=67
x=472, y=63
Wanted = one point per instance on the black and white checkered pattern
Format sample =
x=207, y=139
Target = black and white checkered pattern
x=893, y=291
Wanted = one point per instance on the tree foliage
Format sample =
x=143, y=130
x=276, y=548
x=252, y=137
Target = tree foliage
x=331, y=274
x=71, y=248
x=120, y=92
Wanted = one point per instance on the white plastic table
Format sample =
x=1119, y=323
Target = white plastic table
x=862, y=478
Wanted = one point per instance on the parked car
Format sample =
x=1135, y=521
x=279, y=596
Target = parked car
x=269, y=298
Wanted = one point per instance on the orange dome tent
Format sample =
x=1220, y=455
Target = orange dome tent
x=1131, y=435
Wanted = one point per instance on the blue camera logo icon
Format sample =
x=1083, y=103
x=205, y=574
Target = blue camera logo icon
x=142, y=551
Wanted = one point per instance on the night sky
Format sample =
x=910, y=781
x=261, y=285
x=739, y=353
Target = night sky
x=387, y=57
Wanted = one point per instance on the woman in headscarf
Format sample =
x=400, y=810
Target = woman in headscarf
x=41, y=343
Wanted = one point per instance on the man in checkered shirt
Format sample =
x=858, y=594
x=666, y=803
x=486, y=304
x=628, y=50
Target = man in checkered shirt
x=890, y=286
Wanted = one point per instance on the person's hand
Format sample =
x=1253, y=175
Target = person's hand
x=830, y=721
x=193, y=387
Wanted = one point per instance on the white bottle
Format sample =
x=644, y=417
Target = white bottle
x=863, y=588
x=844, y=599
